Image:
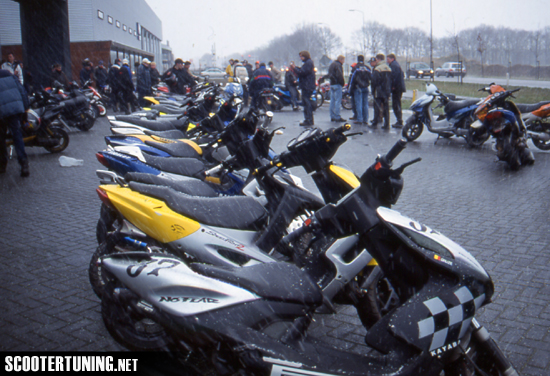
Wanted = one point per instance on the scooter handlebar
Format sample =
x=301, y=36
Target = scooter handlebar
x=396, y=150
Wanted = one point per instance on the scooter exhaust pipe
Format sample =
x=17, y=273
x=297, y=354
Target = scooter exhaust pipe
x=542, y=136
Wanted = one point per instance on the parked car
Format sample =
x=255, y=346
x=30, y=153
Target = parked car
x=215, y=75
x=451, y=69
x=419, y=70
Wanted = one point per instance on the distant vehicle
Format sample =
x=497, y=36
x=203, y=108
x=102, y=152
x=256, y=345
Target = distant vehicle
x=215, y=75
x=419, y=70
x=451, y=69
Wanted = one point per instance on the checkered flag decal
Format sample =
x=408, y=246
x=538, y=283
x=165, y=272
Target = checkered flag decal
x=450, y=317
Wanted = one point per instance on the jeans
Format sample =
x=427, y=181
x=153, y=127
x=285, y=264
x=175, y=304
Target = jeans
x=335, y=101
x=14, y=124
x=293, y=96
x=308, y=105
x=362, y=103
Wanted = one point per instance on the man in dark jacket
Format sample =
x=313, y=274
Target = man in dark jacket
x=188, y=78
x=381, y=83
x=359, y=86
x=126, y=88
x=100, y=75
x=155, y=74
x=174, y=77
x=336, y=75
x=112, y=81
x=59, y=76
x=86, y=72
x=14, y=103
x=397, y=89
x=260, y=80
x=306, y=80
x=143, y=86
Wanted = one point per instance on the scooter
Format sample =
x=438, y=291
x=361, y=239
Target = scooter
x=535, y=118
x=254, y=320
x=274, y=99
x=455, y=122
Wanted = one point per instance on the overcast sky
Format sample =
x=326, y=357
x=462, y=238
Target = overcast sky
x=193, y=26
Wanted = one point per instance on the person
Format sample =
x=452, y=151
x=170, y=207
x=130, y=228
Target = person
x=85, y=72
x=188, y=78
x=125, y=88
x=155, y=75
x=126, y=65
x=377, y=113
x=291, y=85
x=306, y=77
x=397, y=89
x=143, y=83
x=240, y=72
x=112, y=81
x=260, y=80
x=359, y=86
x=100, y=75
x=59, y=76
x=229, y=70
x=14, y=103
x=14, y=67
x=381, y=81
x=353, y=109
x=248, y=67
x=250, y=71
x=174, y=77
x=275, y=72
x=336, y=76
x=257, y=66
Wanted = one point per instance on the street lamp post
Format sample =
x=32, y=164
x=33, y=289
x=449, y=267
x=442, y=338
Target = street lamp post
x=431, y=43
x=362, y=28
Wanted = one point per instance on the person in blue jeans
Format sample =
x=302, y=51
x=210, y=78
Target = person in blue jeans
x=359, y=86
x=336, y=75
x=14, y=103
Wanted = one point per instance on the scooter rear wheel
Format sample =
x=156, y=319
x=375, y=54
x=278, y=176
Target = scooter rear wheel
x=540, y=126
x=62, y=136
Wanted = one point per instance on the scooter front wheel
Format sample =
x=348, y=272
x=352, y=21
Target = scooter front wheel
x=412, y=129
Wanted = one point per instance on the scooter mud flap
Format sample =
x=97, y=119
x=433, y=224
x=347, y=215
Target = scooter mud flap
x=169, y=284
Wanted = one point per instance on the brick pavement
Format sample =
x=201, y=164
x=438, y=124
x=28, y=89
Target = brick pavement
x=502, y=217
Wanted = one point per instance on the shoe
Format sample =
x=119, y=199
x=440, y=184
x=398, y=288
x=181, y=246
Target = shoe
x=358, y=122
x=306, y=124
x=366, y=123
x=397, y=125
x=373, y=125
x=295, y=109
x=353, y=118
x=385, y=127
x=341, y=120
x=25, y=169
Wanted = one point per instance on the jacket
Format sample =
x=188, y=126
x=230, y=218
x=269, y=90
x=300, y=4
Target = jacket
x=112, y=78
x=290, y=79
x=381, y=80
x=175, y=79
x=397, y=78
x=85, y=75
x=13, y=97
x=143, y=84
x=124, y=80
x=14, y=69
x=360, y=77
x=276, y=73
x=336, y=73
x=306, y=75
x=261, y=79
x=155, y=76
x=60, y=77
x=100, y=76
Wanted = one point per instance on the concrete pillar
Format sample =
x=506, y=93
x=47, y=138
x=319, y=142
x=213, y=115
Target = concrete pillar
x=45, y=37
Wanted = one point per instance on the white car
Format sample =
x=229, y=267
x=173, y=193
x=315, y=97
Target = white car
x=216, y=75
x=451, y=69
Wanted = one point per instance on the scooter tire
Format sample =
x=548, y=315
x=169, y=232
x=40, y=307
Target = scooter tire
x=63, y=137
x=96, y=276
x=319, y=100
x=346, y=101
x=412, y=129
x=541, y=127
x=89, y=121
x=129, y=327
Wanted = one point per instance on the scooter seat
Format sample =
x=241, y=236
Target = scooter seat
x=181, y=166
x=190, y=186
x=162, y=125
x=526, y=108
x=278, y=281
x=457, y=105
x=176, y=149
x=168, y=109
x=151, y=115
x=237, y=212
x=172, y=134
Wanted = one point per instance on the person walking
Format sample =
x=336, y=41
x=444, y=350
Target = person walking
x=155, y=75
x=260, y=80
x=306, y=77
x=14, y=103
x=397, y=89
x=291, y=86
x=14, y=67
x=143, y=86
x=381, y=82
x=359, y=86
x=336, y=76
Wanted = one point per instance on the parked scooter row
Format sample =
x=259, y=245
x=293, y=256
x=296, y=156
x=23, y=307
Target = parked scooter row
x=466, y=118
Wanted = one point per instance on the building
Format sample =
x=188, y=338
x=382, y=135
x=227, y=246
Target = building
x=99, y=30
x=167, y=57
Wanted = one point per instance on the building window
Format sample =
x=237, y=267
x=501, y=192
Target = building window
x=135, y=33
x=124, y=27
x=130, y=30
x=110, y=19
x=100, y=14
x=118, y=24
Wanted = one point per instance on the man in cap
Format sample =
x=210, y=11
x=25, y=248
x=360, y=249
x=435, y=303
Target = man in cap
x=143, y=81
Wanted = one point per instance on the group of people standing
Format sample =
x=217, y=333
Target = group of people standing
x=385, y=79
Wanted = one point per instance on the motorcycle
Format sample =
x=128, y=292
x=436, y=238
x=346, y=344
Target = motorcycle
x=95, y=98
x=535, y=118
x=455, y=122
x=500, y=118
x=39, y=130
x=274, y=99
x=254, y=320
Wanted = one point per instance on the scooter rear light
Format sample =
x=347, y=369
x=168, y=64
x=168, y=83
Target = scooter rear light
x=104, y=198
x=101, y=159
x=377, y=166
